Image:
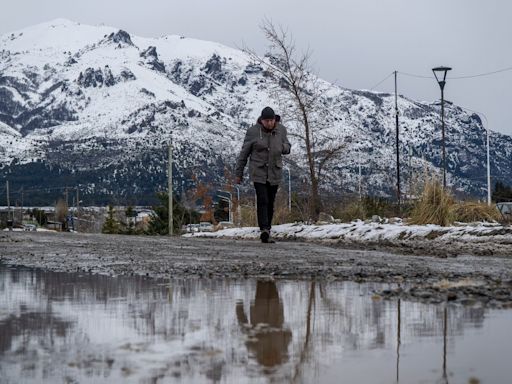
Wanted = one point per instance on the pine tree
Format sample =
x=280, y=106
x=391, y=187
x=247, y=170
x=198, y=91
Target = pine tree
x=502, y=192
x=111, y=225
x=130, y=225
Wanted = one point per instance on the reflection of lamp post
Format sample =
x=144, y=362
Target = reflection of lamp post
x=445, y=332
x=289, y=190
x=398, y=341
x=442, y=75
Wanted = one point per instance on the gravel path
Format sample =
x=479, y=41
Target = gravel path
x=468, y=279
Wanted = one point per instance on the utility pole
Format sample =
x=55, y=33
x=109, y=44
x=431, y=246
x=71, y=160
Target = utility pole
x=397, y=148
x=21, y=206
x=289, y=189
x=238, y=210
x=169, y=188
x=77, y=208
x=359, y=166
x=488, y=169
x=9, y=221
x=411, y=174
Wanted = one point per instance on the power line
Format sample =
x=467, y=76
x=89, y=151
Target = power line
x=380, y=82
x=413, y=75
x=461, y=77
x=48, y=189
x=482, y=74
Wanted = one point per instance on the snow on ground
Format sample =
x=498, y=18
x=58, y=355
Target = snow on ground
x=364, y=232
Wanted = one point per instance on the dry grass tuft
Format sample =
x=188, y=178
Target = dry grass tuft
x=437, y=206
x=434, y=206
x=470, y=211
x=354, y=210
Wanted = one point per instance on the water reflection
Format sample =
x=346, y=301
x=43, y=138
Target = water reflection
x=268, y=339
x=58, y=327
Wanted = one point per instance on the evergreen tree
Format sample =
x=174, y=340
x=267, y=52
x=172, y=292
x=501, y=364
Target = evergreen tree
x=130, y=224
x=111, y=225
x=159, y=222
x=502, y=192
x=40, y=216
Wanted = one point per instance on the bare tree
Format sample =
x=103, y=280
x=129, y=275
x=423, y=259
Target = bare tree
x=298, y=91
x=61, y=210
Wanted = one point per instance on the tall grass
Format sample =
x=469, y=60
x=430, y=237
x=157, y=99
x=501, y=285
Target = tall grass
x=469, y=211
x=434, y=206
x=437, y=206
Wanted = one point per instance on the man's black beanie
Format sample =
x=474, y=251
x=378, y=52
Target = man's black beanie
x=267, y=113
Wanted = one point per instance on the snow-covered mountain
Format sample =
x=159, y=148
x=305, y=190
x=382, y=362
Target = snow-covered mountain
x=95, y=107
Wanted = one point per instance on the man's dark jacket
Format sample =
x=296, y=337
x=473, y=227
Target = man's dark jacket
x=265, y=149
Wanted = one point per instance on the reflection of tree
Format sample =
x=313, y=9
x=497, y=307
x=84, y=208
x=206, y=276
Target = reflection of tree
x=306, y=346
x=269, y=340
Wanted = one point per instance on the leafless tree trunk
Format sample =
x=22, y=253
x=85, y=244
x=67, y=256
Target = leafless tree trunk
x=298, y=90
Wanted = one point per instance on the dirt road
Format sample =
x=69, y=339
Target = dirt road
x=466, y=279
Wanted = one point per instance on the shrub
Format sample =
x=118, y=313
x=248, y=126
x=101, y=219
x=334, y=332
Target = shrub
x=351, y=211
x=437, y=206
x=434, y=206
x=469, y=211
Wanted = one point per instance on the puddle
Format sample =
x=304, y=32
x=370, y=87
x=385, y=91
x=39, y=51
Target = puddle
x=81, y=328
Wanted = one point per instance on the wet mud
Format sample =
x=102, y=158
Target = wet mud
x=426, y=277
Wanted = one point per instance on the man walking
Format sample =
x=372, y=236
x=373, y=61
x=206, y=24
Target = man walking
x=265, y=143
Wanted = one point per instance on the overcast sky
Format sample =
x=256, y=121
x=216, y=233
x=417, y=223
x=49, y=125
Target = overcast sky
x=355, y=43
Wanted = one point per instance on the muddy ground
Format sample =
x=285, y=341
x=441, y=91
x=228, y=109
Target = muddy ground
x=482, y=280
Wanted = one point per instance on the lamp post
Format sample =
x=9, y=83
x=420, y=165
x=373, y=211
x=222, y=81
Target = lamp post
x=398, y=194
x=440, y=74
x=489, y=200
x=289, y=189
x=238, y=210
x=229, y=200
x=360, y=172
x=488, y=169
x=169, y=188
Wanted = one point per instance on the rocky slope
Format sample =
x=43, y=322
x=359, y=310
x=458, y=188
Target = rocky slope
x=95, y=107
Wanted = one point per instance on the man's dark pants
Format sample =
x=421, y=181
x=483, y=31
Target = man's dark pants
x=265, y=196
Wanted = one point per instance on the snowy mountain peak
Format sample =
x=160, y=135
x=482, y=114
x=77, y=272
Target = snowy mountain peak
x=57, y=35
x=121, y=38
x=99, y=105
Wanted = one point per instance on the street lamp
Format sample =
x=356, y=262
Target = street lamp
x=238, y=211
x=229, y=200
x=488, y=166
x=289, y=189
x=440, y=73
x=169, y=188
x=489, y=200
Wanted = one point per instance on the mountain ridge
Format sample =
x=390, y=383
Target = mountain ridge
x=100, y=105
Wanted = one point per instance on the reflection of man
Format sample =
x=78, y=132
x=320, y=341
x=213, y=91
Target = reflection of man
x=269, y=343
